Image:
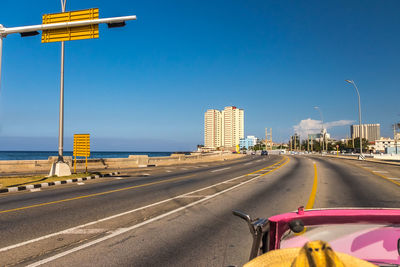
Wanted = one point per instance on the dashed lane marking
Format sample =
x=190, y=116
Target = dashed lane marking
x=86, y=231
x=193, y=196
x=223, y=169
x=377, y=173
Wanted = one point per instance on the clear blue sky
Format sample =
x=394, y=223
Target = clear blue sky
x=145, y=87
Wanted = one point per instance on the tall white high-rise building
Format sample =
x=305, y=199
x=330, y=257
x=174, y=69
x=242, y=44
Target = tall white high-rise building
x=233, y=126
x=371, y=132
x=223, y=129
x=212, y=128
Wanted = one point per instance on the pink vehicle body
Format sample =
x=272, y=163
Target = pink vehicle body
x=370, y=234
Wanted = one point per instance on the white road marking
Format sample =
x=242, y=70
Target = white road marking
x=392, y=178
x=184, y=169
x=80, y=183
x=124, y=230
x=86, y=231
x=195, y=196
x=35, y=190
x=119, y=178
x=253, y=174
x=248, y=163
x=380, y=171
x=221, y=169
x=258, y=160
x=168, y=171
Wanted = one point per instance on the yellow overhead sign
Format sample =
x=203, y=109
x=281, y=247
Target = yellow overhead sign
x=74, y=33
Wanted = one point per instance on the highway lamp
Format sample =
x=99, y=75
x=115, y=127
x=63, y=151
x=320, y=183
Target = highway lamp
x=32, y=30
x=359, y=116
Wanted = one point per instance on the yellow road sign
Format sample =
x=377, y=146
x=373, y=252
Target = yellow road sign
x=81, y=145
x=74, y=33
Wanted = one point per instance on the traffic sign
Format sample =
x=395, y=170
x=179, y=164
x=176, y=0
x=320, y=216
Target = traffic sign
x=71, y=33
x=81, y=147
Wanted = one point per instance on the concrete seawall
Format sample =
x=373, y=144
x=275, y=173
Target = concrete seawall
x=9, y=167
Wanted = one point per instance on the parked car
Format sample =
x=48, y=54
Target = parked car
x=264, y=153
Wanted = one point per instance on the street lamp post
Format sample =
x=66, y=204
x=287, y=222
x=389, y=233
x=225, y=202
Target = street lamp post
x=359, y=116
x=322, y=129
x=61, y=118
x=33, y=30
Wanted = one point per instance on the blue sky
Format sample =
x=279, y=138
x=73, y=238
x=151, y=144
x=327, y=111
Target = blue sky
x=145, y=87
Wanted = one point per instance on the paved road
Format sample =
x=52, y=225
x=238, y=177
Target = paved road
x=179, y=217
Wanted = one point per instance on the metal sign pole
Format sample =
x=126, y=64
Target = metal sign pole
x=61, y=125
x=61, y=119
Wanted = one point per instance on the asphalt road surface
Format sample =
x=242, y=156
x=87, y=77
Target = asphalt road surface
x=180, y=215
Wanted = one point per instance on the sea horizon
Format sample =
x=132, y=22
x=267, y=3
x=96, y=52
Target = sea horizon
x=43, y=155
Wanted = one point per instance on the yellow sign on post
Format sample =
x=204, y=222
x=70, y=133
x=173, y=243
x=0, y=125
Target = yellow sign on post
x=81, y=147
x=74, y=33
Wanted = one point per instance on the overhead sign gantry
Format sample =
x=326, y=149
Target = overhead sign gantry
x=60, y=27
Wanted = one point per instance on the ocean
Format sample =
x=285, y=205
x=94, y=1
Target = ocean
x=37, y=155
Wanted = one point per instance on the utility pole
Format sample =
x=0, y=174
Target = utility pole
x=312, y=145
x=268, y=139
x=394, y=137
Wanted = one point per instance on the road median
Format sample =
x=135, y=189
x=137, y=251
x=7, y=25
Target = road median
x=14, y=184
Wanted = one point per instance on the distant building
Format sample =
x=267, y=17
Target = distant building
x=232, y=126
x=383, y=144
x=371, y=132
x=223, y=129
x=319, y=136
x=248, y=142
x=212, y=128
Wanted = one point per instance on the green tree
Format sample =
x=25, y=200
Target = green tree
x=357, y=144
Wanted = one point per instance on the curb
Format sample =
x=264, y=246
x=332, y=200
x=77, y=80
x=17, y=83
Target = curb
x=69, y=181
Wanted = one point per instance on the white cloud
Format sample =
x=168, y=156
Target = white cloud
x=310, y=126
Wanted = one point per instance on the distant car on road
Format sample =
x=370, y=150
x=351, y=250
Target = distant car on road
x=264, y=153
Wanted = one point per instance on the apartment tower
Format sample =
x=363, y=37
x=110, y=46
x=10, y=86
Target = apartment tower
x=212, y=128
x=233, y=126
x=223, y=129
x=371, y=132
